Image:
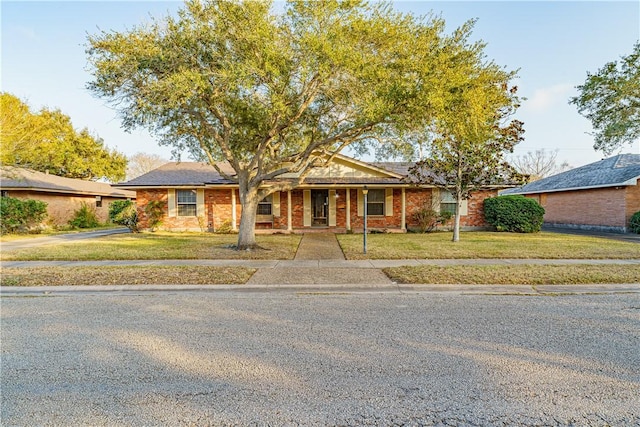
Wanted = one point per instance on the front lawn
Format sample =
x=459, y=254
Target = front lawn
x=516, y=274
x=125, y=275
x=479, y=244
x=160, y=245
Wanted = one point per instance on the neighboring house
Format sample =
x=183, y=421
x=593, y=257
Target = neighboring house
x=198, y=198
x=599, y=196
x=63, y=195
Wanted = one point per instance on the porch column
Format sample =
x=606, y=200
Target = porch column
x=348, y=202
x=233, y=209
x=403, y=224
x=289, y=226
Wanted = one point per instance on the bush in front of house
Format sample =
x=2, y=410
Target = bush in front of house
x=84, y=217
x=634, y=223
x=428, y=218
x=124, y=212
x=18, y=215
x=513, y=213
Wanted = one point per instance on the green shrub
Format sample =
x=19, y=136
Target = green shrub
x=124, y=212
x=154, y=211
x=18, y=215
x=428, y=219
x=634, y=223
x=514, y=213
x=85, y=217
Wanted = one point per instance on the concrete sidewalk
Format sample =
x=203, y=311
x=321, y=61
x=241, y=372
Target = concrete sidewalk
x=317, y=263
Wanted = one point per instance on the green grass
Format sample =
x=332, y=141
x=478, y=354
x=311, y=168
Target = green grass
x=486, y=245
x=516, y=274
x=159, y=245
x=125, y=275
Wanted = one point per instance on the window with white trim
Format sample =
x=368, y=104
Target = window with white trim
x=265, y=205
x=186, y=201
x=448, y=202
x=375, y=202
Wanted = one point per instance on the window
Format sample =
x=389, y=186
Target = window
x=448, y=202
x=264, y=206
x=98, y=201
x=375, y=202
x=5, y=193
x=186, y=201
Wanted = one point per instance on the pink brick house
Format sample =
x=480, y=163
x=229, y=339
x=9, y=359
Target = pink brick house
x=196, y=197
x=598, y=196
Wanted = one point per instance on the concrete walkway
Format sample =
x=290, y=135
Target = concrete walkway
x=319, y=246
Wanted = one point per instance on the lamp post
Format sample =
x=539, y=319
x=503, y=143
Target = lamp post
x=365, y=191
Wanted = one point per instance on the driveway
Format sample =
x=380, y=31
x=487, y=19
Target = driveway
x=626, y=237
x=59, y=238
x=237, y=358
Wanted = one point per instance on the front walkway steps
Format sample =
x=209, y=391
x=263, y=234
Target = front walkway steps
x=319, y=246
x=315, y=248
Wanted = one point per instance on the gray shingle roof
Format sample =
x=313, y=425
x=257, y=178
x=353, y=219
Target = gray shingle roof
x=24, y=179
x=623, y=169
x=195, y=174
x=192, y=174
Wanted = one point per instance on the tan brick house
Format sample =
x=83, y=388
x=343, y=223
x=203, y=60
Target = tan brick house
x=63, y=195
x=196, y=197
x=598, y=196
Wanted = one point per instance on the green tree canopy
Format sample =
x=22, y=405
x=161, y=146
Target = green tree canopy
x=468, y=142
x=276, y=94
x=47, y=141
x=610, y=99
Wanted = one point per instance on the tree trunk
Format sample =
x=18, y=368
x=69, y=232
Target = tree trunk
x=456, y=221
x=247, y=232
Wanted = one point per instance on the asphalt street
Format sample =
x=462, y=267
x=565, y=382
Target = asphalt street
x=314, y=358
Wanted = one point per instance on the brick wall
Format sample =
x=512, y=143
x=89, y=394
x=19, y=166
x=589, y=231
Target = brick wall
x=632, y=201
x=218, y=206
x=596, y=207
x=61, y=207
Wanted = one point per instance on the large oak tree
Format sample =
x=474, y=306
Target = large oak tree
x=46, y=141
x=275, y=94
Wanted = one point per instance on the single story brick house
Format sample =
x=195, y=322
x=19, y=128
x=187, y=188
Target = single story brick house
x=331, y=199
x=598, y=196
x=63, y=196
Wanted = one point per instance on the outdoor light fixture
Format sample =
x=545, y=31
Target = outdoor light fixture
x=365, y=191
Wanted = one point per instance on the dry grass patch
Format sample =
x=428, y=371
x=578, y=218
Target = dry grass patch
x=486, y=245
x=125, y=275
x=159, y=245
x=516, y=274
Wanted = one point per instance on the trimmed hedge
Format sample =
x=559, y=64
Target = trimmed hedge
x=634, y=223
x=514, y=213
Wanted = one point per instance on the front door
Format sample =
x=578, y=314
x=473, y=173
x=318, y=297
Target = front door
x=319, y=207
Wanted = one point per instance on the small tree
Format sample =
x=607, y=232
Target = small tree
x=469, y=140
x=18, y=215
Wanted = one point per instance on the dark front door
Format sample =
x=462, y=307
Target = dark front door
x=319, y=207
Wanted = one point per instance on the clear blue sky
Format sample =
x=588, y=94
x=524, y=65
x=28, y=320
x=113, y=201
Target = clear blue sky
x=552, y=43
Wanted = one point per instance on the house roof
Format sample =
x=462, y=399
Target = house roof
x=14, y=178
x=343, y=171
x=196, y=174
x=620, y=170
